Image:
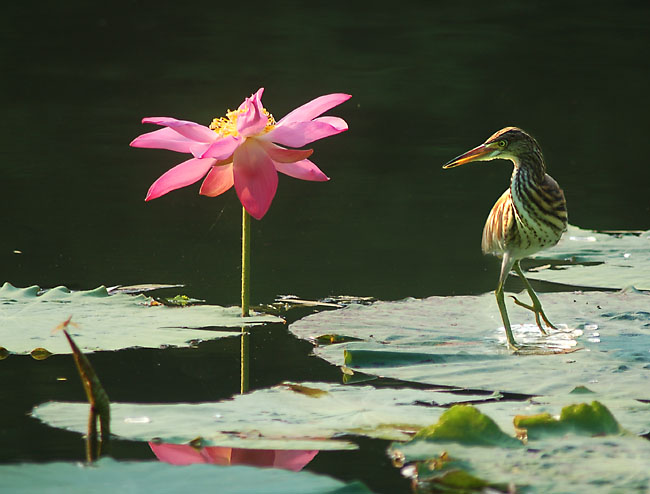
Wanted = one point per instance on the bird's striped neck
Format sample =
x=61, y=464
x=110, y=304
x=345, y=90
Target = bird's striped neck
x=538, y=205
x=528, y=175
x=530, y=167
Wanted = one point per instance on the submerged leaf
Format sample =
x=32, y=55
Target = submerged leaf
x=370, y=358
x=306, y=390
x=581, y=390
x=464, y=424
x=456, y=481
x=460, y=479
x=332, y=339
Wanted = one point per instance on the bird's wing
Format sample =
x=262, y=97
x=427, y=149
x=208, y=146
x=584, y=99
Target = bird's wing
x=499, y=226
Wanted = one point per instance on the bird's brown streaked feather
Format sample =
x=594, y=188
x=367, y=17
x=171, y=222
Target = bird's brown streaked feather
x=499, y=227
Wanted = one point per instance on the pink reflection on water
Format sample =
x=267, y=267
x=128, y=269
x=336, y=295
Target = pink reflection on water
x=184, y=454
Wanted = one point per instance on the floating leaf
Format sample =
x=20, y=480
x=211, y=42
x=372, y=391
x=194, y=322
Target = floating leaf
x=40, y=353
x=110, y=322
x=604, y=261
x=597, y=465
x=594, y=419
x=460, y=341
x=464, y=424
x=632, y=415
x=108, y=476
x=264, y=418
x=452, y=481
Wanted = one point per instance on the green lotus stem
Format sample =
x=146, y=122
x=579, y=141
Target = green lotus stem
x=245, y=349
x=245, y=296
x=245, y=262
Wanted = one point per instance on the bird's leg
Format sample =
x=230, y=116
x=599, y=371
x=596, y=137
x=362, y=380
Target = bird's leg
x=506, y=264
x=537, y=305
x=504, y=317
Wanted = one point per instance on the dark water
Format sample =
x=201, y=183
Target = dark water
x=429, y=80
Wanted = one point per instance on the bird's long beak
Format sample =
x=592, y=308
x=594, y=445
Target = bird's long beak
x=479, y=153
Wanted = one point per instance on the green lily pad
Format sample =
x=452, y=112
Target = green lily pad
x=296, y=416
x=460, y=341
x=109, y=476
x=454, y=481
x=604, y=260
x=445, y=474
x=465, y=424
x=581, y=390
x=593, y=419
x=598, y=465
x=107, y=322
x=631, y=415
x=585, y=448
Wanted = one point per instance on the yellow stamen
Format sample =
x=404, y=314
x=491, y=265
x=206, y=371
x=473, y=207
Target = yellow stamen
x=227, y=126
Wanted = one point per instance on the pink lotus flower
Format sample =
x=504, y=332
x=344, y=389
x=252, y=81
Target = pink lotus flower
x=245, y=149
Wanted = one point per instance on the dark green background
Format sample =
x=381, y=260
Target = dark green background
x=429, y=80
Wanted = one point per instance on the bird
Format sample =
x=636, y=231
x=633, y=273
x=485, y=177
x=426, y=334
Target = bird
x=530, y=215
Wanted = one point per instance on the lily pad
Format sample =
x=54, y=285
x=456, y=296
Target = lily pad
x=107, y=322
x=585, y=447
x=109, y=476
x=452, y=480
x=277, y=418
x=459, y=341
x=630, y=415
x=464, y=424
x=593, y=419
x=603, y=260
x=558, y=452
x=598, y=465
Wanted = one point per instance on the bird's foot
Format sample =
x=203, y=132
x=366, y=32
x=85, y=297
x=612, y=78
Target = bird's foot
x=537, y=309
x=510, y=339
x=513, y=347
x=522, y=348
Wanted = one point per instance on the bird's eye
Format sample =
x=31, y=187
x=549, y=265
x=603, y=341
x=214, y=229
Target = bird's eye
x=502, y=143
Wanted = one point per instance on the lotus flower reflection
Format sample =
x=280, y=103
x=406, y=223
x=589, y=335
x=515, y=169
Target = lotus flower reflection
x=246, y=148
